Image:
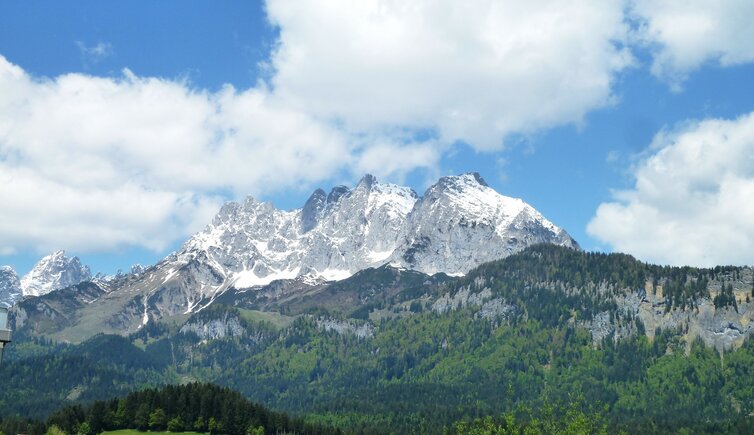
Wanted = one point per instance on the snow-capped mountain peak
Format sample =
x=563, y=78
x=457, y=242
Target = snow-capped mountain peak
x=10, y=286
x=54, y=272
x=333, y=236
x=461, y=222
x=458, y=224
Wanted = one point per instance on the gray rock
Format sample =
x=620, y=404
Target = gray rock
x=54, y=272
x=10, y=286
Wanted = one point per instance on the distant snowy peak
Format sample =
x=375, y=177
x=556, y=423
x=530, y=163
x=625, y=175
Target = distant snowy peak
x=333, y=236
x=10, y=286
x=469, y=197
x=461, y=222
x=458, y=224
x=54, y=272
x=103, y=278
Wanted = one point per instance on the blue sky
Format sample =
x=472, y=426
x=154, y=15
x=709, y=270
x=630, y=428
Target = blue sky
x=608, y=119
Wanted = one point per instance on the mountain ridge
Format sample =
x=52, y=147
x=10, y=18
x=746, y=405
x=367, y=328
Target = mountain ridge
x=458, y=224
x=546, y=321
x=52, y=272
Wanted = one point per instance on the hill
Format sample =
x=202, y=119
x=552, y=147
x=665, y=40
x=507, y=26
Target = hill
x=392, y=350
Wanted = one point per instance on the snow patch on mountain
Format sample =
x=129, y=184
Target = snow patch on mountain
x=458, y=224
x=333, y=236
x=10, y=286
x=461, y=222
x=54, y=272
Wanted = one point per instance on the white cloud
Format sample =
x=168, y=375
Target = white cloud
x=693, y=200
x=95, y=53
x=392, y=161
x=91, y=163
x=685, y=34
x=476, y=70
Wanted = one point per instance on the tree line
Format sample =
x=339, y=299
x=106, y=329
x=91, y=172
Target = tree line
x=199, y=407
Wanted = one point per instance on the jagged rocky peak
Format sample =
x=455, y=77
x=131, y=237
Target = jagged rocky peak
x=313, y=209
x=54, y=272
x=227, y=212
x=458, y=182
x=103, y=278
x=10, y=286
x=461, y=222
x=336, y=193
x=367, y=181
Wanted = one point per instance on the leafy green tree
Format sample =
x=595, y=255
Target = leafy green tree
x=54, y=430
x=214, y=426
x=84, y=429
x=141, y=419
x=157, y=419
x=200, y=425
x=176, y=425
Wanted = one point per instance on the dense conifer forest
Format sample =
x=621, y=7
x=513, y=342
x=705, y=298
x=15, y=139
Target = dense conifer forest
x=203, y=408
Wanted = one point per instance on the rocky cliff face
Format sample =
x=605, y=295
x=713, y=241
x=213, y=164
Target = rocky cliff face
x=724, y=328
x=10, y=286
x=461, y=223
x=458, y=224
x=333, y=236
x=54, y=272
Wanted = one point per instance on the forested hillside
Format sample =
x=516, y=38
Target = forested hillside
x=202, y=408
x=548, y=329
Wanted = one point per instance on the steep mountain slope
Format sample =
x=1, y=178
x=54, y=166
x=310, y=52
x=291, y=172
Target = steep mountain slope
x=461, y=222
x=545, y=325
x=10, y=286
x=57, y=311
x=252, y=246
x=54, y=272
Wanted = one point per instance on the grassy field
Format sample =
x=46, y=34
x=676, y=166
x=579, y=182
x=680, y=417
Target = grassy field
x=136, y=432
x=277, y=320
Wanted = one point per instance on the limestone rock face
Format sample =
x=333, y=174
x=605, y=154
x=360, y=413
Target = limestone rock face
x=54, y=272
x=10, y=286
x=459, y=223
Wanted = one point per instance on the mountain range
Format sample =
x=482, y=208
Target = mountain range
x=458, y=224
x=367, y=300
x=654, y=348
x=53, y=272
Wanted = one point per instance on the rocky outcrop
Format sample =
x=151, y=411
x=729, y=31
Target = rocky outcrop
x=54, y=272
x=10, y=286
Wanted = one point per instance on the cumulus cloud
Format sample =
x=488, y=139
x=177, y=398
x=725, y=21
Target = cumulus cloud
x=393, y=161
x=692, y=199
x=476, y=70
x=94, y=163
x=90, y=163
x=685, y=34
